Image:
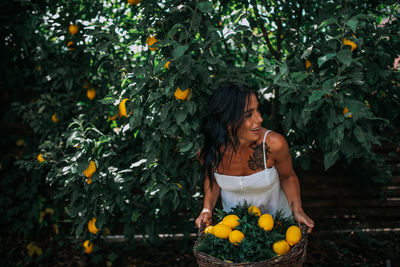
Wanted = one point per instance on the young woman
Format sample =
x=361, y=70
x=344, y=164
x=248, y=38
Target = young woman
x=242, y=161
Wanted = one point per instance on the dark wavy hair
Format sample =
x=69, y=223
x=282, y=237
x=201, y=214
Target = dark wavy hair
x=219, y=127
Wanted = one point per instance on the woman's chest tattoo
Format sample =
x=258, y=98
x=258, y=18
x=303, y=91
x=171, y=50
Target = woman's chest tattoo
x=256, y=160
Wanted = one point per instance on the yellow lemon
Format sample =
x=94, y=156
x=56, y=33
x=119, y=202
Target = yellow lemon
x=122, y=108
x=254, y=210
x=134, y=2
x=20, y=142
x=92, y=226
x=54, y=118
x=222, y=231
x=91, y=93
x=293, y=235
x=88, y=248
x=266, y=222
x=236, y=237
x=40, y=158
x=350, y=43
x=166, y=65
x=231, y=220
x=70, y=46
x=90, y=170
x=182, y=95
x=86, y=85
x=150, y=41
x=209, y=230
x=73, y=29
x=281, y=247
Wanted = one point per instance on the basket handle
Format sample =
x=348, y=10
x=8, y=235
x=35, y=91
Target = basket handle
x=200, y=231
x=304, y=229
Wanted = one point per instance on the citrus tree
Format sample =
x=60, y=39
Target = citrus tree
x=118, y=90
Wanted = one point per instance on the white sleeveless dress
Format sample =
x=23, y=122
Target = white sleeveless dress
x=261, y=189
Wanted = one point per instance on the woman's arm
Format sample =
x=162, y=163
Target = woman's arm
x=288, y=178
x=210, y=198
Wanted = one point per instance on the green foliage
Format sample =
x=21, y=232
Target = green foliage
x=257, y=244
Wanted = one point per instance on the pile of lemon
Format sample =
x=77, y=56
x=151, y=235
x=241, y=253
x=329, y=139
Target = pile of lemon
x=229, y=229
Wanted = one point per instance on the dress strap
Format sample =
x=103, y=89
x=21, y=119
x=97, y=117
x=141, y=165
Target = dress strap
x=265, y=160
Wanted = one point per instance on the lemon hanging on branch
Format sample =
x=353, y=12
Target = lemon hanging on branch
x=73, y=29
x=134, y=2
x=122, y=108
x=182, y=95
x=90, y=169
x=150, y=41
x=91, y=93
x=92, y=226
x=40, y=158
x=88, y=247
x=54, y=118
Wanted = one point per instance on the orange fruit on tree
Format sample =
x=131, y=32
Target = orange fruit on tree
x=88, y=247
x=236, y=237
x=70, y=46
x=254, y=210
x=182, y=95
x=90, y=169
x=308, y=64
x=122, y=108
x=54, y=118
x=231, y=220
x=266, y=222
x=293, y=235
x=222, y=231
x=91, y=93
x=350, y=43
x=40, y=158
x=73, y=29
x=281, y=247
x=92, y=226
x=150, y=41
x=134, y=2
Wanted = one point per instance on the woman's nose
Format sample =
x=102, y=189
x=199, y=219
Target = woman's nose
x=259, y=118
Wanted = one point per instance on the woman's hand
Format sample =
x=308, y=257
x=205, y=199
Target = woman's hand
x=205, y=218
x=301, y=217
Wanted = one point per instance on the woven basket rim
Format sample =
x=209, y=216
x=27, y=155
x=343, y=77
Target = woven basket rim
x=295, y=251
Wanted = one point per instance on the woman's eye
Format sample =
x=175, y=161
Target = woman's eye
x=248, y=115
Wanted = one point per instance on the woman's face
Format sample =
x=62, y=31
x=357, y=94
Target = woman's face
x=250, y=130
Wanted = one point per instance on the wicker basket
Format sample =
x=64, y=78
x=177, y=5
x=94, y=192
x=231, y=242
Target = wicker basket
x=295, y=257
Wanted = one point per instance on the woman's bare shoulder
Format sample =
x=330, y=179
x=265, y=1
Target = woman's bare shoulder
x=274, y=140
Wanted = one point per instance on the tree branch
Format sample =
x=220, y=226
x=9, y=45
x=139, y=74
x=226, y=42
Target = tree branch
x=264, y=31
